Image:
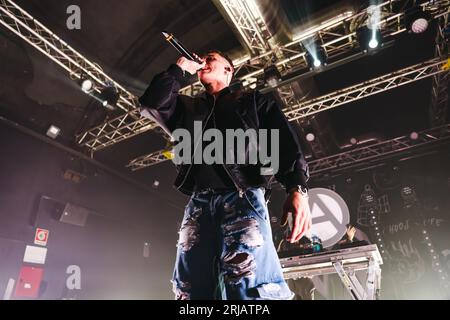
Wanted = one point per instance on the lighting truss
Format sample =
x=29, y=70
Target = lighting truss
x=340, y=97
x=248, y=21
x=345, y=160
x=439, y=92
x=380, y=150
x=334, y=38
x=147, y=160
x=368, y=88
x=36, y=34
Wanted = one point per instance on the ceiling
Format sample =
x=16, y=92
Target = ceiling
x=124, y=39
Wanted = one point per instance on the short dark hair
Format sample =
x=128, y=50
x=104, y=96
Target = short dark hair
x=223, y=55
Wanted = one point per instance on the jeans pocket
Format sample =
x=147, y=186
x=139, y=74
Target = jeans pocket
x=255, y=199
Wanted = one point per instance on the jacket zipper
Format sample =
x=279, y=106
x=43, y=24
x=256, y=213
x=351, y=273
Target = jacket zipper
x=239, y=189
x=197, y=143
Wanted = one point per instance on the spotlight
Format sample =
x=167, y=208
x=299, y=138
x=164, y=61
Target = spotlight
x=272, y=76
x=87, y=86
x=310, y=137
x=373, y=43
x=416, y=20
x=53, y=132
x=155, y=184
x=316, y=56
x=354, y=141
x=414, y=135
x=109, y=97
x=369, y=39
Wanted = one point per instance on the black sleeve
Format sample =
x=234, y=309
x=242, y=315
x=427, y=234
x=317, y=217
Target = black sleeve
x=160, y=98
x=293, y=169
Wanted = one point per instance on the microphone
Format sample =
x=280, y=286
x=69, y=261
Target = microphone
x=180, y=48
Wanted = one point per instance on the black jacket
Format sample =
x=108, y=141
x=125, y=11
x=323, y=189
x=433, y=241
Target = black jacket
x=244, y=110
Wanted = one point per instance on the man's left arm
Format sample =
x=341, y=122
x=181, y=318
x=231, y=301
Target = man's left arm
x=293, y=172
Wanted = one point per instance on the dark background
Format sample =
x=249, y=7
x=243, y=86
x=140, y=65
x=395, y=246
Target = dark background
x=126, y=210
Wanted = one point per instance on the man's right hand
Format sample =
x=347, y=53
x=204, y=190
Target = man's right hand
x=190, y=66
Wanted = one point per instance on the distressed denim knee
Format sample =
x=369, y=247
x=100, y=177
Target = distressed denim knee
x=249, y=262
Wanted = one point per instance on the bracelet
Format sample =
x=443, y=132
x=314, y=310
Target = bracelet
x=298, y=188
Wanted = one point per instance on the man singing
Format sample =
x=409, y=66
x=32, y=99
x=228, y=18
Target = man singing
x=225, y=247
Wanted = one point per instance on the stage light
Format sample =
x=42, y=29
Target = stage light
x=354, y=141
x=416, y=20
x=87, y=86
x=53, y=132
x=155, y=184
x=373, y=43
x=272, y=76
x=369, y=39
x=316, y=56
x=109, y=97
x=310, y=137
x=414, y=135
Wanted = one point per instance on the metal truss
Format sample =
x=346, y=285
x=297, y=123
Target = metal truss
x=118, y=129
x=36, y=34
x=148, y=160
x=249, y=23
x=345, y=160
x=439, y=93
x=333, y=36
x=368, y=88
x=340, y=97
x=380, y=150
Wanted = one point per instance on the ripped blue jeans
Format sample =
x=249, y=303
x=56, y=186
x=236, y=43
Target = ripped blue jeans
x=225, y=249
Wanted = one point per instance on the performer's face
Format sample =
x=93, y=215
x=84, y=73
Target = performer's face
x=217, y=69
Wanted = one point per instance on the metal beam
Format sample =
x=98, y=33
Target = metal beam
x=335, y=38
x=382, y=150
x=439, y=91
x=21, y=23
x=248, y=21
x=345, y=160
x=363, y=90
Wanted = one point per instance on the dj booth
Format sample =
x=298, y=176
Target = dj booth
x=345, y=262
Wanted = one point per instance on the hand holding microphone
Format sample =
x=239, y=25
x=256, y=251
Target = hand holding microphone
x=190, y=66
x=189, y=61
